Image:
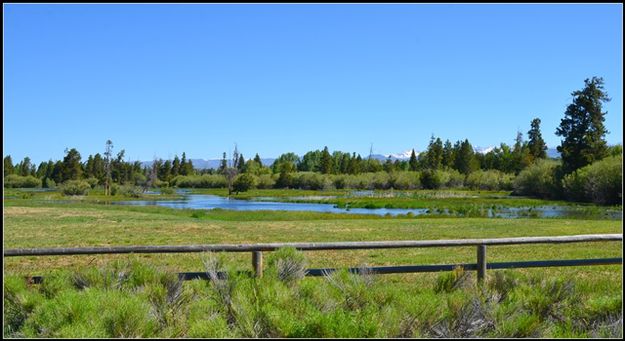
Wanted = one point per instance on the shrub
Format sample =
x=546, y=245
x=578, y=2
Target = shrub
x=244, y=182
x=489, y=180
x=75, y=187
x=435, y=179
x=600, y=182
x=266, y=181
x=199, y=181
x=92, y=182
x=132, y=191
x=17, y=181
x=114, y=189
x=405, y=180
x=537, y=180
x=48, y=183
x=287, y=264
x=167, y=191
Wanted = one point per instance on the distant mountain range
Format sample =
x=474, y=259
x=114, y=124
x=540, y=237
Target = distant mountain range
x=214, y=163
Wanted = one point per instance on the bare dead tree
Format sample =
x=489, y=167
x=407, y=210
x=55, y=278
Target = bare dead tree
x=107, y=154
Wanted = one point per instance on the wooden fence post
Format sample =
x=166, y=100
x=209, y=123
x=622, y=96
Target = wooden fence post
x=481, y=263
x=257, y=263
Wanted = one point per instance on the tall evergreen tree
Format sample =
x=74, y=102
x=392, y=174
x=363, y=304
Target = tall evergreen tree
x=223, y=164
x=465, y=160
x=326, y=164
x=536, y=144
x=582, y=127
x=8, y=166
x=448, y=155
x=175, y=166
x=413, y=161
x=72, y=169
x=257, y=159
x=241, y=163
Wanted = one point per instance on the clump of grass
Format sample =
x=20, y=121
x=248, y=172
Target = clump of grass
x=287, y=264
x=448, y=282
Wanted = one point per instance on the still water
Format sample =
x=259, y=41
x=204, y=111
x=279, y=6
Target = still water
x=203, y=201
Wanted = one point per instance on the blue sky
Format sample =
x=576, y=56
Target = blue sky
x=162, y=79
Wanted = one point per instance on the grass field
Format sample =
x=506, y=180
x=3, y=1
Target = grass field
x=36, y=222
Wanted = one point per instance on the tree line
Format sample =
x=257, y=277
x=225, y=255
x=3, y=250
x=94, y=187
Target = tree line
x=583, y=143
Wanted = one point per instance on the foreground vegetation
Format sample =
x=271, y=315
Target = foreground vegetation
x=132, y=299
x=140, y=296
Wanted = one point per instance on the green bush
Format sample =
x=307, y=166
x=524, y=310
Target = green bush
x=132, y=191
x=114, y=189
x=405, y=180
x=168, y=191
x=244, y=182
x=17, y=181
x=266, y=181
x=200, y=181
x=538, y=180
x=92, y=182
x=75, y=187
x=600, y=182
x=492, y=180
x=436, y=179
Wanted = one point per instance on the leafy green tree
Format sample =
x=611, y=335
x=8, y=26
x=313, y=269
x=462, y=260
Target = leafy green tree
x=286, y=157
x=536, y=144
x=8, y=166
x=582, y=127
x=244, y=182
x=388, y=165
x=355, y=164
x=285, y=179
x=310, y=162
x=326, y=164
x=72, y=169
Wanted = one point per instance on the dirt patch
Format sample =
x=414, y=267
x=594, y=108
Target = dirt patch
x=48, y=211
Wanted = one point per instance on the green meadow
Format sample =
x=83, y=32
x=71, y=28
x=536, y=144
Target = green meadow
x=542, y=302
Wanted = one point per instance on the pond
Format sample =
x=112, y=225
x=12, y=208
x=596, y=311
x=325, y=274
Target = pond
x=204, y=201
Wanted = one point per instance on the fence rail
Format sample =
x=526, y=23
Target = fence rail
x=257, y=257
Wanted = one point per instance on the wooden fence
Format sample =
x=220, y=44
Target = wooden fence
x=257, y=250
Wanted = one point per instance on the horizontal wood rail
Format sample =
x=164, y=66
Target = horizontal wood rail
x=257, y=258
x=310, y=246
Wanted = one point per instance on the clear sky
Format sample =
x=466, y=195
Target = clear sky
x=162, y=79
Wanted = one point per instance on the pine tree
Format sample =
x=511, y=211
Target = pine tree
x=175, y=166
x=413, y=161
x=536, y=144
x=241, y=163
x=326, y=165
x=448, y=155
x=72, y=169
x=223, y=165
x=8, y=166
x=582, y=127
x=257, y=159
x=465, y=160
